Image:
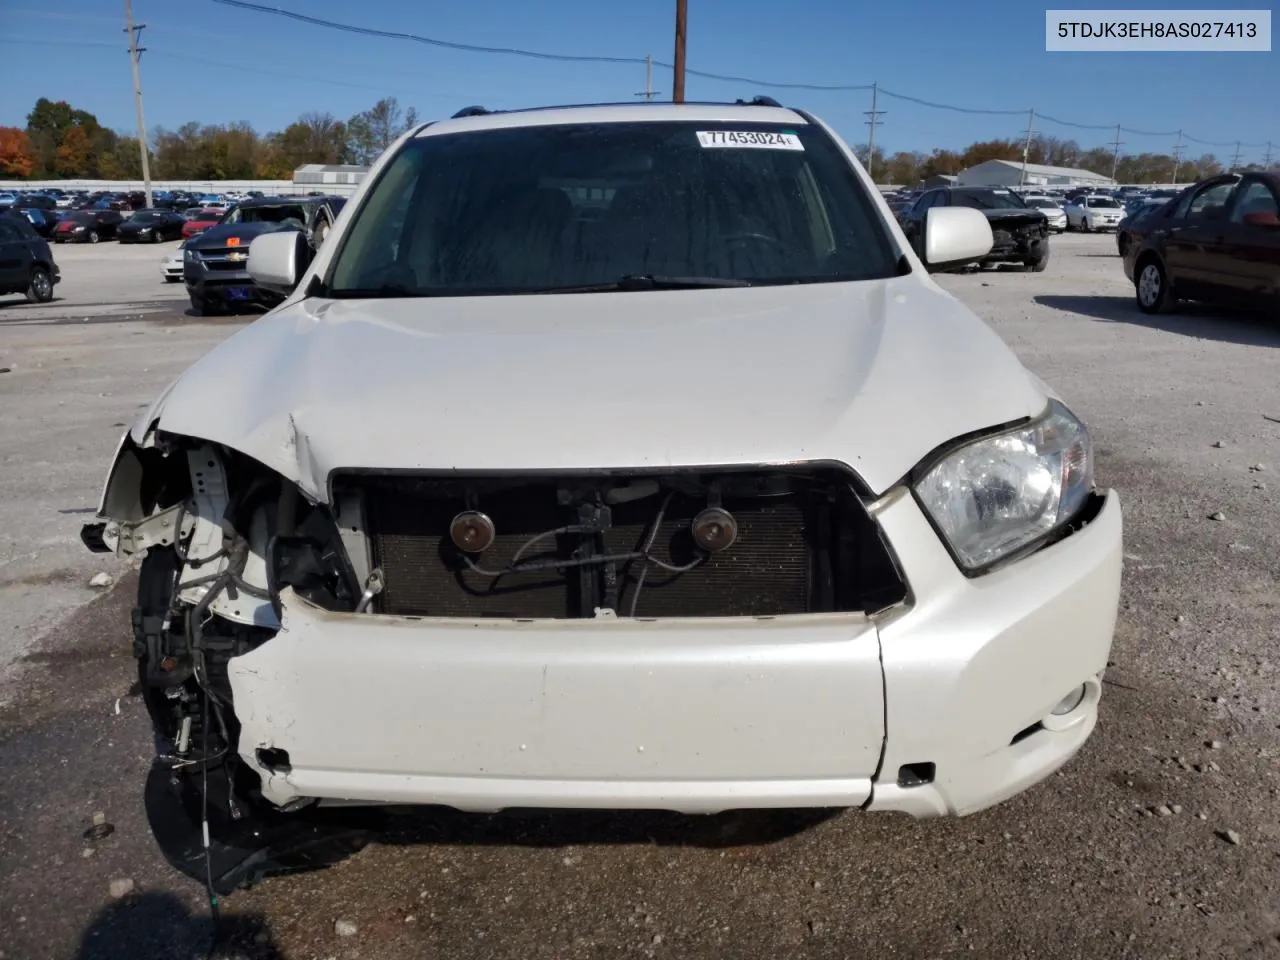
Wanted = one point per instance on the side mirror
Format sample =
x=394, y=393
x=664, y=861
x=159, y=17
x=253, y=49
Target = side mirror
x=954, y=236
x=278, y=260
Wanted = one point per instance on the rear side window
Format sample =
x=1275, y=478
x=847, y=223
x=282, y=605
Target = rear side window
x=529, y=209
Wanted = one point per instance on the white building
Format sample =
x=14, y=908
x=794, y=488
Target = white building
x=335, y=179
x=1008, y=173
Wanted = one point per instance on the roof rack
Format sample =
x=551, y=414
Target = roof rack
x=476, y=111
x=759, y=102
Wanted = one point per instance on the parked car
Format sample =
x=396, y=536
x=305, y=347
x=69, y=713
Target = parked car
x=1052, y=210
x=87, y=226
x=1131, y=227
x=432, y=465
x=171, y=267
x=151, y=226
x=1093, y=212
x=1020, y=233
x=44, y=221
x=26, y=262
x=314, y=215
x=1218, y=242
x=216, y=270
x=201, y=221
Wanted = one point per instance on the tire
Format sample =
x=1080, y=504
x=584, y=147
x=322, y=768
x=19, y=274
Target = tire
x=1084, y=225
x=1039, y=264
x=40, y=288
x=1122, y=244
x=1151, y=284
x=93, y=236
x=204, y=306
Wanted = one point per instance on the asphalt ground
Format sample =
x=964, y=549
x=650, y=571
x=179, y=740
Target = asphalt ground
x=1161, y=839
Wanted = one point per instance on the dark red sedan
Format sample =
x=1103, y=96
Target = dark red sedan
x=1219, y=242
x=201, y=221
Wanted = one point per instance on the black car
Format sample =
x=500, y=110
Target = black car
x=151, y=226
x=44, y=221
x=1020, y=233
x=215, y=267
x=26, y=262
x=87, y=226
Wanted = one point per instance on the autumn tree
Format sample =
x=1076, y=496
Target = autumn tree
x=74, y=156
x=15, y=153
x=985, y=150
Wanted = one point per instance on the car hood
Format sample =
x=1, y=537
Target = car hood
x=217, y=236
x=1012, y=217
x=873, y=374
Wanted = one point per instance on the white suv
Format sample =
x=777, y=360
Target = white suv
x=622, y=457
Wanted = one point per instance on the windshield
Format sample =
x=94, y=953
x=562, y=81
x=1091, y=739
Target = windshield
x=206, y=215
x=1101, y=202
x=986, y=199
x=144, y=216
x=1042, y=203
x=269, y=213
x=539, y=208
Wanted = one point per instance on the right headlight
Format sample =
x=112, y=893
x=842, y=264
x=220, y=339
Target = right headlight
x=190, y=254
x=994, y=496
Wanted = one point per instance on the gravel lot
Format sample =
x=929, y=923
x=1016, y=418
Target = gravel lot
x=1160, y=840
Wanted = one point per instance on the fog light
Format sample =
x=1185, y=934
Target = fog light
x=714, y=529
x=1070, y=701
x=472, y=531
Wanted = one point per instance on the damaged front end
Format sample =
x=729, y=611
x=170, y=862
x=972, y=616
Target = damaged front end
x=219, y=536
x=223, y=538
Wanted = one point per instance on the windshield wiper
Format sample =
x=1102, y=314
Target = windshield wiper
x=650, y=281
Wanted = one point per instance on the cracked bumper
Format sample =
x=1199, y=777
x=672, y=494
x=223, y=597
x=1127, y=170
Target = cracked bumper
x=697, y=716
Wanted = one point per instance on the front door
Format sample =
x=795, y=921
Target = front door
x=1247, y=264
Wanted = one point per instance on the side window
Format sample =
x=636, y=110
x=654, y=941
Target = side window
x=7, y=232
x=1207, y=203
x=1255, y=204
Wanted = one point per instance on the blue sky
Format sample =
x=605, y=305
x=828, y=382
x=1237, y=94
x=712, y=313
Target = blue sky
x=984, y=56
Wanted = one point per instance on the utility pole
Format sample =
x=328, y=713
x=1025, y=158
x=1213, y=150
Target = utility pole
x=1177, y=158
x=875, y=116
x=649, y=92
x=134, y=31
x=1026, y=147
x=1115, y=157
x=1235, y=160
x=1266, y=159
x=677, y=80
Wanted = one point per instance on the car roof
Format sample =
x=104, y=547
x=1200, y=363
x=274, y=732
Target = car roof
x=614, y=113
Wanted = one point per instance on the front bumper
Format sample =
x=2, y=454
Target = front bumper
x=699, y=715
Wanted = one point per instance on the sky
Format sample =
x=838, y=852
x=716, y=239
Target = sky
x=214, y=63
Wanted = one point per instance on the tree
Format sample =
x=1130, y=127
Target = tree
x=47, y=126
x=904, y=168
x=16, y=159
x=74, y=157
x=879, y=168
x=371, y=132
x=983, y=151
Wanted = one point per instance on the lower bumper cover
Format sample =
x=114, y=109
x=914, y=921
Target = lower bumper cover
x=697, y=716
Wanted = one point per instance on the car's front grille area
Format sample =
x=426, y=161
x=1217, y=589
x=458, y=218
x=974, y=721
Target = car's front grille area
x=804, y=544
x=226, y=258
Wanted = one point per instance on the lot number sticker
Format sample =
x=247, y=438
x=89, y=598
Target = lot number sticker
x=751, y=139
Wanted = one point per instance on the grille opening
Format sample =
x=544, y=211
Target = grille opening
x=916, y=774
x=804, y=544
x=1026, y=732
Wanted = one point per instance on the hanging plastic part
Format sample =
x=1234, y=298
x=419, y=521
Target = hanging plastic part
x=372, y=587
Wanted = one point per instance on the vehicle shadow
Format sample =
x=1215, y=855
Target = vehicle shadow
x=157, y=926
x=411, y=826
x=1189, y=320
